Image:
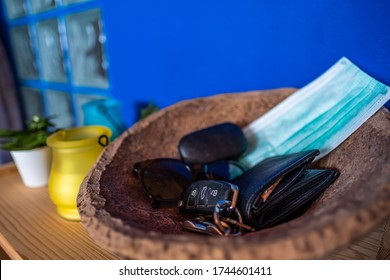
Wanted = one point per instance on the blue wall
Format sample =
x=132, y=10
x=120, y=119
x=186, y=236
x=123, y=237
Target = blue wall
x=172, y=50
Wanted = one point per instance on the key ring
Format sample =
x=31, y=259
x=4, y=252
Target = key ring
x=221, y=206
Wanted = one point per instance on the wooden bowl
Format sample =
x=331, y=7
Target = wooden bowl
x=118, y=215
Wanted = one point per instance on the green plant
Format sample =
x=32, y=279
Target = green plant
x=33, y=136
x=148, y=110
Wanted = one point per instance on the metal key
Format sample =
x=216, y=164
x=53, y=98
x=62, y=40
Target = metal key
x=223, y=210
x=201, y=197
x=201, y=225
x=216, y=199
x=205, y=226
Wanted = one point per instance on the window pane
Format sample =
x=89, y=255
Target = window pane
x=32, y=103
x=23, y=53
x=60, y=108
x=50, y=51
x=86, y=48
x=15, y=8
x=38, y=6
x=73, y=1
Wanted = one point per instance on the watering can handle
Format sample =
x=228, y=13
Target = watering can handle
x=103, y=140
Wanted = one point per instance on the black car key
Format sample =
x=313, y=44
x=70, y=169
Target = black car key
x=202, y=196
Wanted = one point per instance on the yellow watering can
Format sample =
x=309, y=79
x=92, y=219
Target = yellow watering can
x=75, y=151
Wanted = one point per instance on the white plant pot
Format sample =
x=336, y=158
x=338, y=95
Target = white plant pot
x=33, y=166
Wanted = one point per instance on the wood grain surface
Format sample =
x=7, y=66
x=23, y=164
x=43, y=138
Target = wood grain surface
x=31, y=229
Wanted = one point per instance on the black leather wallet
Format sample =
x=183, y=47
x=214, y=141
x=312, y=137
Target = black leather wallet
x=280, y=188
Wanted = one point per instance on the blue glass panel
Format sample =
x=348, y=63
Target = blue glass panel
x=86, y=47
x=65, y=2
x=52, y=59
x=15, y=8
x=60, y=107
x=32, y=103
x=38, y=6
x=23, y=53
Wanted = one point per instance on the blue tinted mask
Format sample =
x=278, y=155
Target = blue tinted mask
x=319, y=116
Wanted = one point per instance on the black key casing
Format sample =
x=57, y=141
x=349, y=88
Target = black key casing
x=201, y=197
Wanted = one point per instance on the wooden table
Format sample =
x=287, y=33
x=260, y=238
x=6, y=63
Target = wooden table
x=31, y=229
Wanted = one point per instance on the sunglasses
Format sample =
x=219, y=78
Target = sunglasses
x=165, y=179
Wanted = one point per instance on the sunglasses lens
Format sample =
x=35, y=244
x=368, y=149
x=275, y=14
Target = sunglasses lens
x=166, y=180
x=226, y=171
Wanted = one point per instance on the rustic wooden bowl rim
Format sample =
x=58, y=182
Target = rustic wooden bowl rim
x=320, y=231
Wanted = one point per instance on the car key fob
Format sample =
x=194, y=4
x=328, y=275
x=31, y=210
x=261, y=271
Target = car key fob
x=202, y=196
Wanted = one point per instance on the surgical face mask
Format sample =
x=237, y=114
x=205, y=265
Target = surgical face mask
x=319, y=116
